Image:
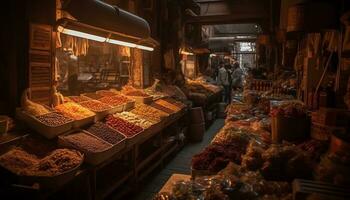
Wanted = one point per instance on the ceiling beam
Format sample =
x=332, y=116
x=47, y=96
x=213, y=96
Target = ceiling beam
x=224, y=19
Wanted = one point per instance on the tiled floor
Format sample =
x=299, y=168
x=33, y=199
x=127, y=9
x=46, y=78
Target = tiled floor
x=181, y=163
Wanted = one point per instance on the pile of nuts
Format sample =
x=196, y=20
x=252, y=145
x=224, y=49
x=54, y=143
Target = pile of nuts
x=95, y=106
x=86, y=142
x=106, y=133
x=114, y=100
x=21, y=162
x=53, y=119
x=149, y=113
x=93, y=95
x=106, y=93
x=78, y=99
x=131, y=117
x=125, y=127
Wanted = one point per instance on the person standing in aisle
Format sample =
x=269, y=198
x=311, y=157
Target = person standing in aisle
x=237, y=77
x=223, y=80
x=229, y=71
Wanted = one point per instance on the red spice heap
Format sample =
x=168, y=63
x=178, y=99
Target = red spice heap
x=123, y=126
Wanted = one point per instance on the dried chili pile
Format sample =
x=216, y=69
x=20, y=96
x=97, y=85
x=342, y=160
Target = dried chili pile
x=216, y=156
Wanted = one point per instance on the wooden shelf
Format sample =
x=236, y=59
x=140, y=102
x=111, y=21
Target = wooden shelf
x=148, y=159
x=112, y=186
x=149, y=170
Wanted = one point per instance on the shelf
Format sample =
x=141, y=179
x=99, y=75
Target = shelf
x=149, y=170
x=112, y=186
x=148, y=159
x=172, y=147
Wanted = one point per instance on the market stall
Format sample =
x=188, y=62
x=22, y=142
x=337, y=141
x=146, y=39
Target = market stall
x=256, y=155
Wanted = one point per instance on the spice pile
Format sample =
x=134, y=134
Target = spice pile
x=216, y=156
x=95, y=106
x=93, y=95
x=86, y=142
x=106, y=133
x=74, y=111
x=53, y=119
x=114, y=100
x=106, y=93
x=57, y=162
x=149, y=113
x=125, y=127
x=78, y=99
x=131, y=117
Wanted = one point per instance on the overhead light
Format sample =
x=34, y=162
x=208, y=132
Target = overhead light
x=101, y=39
x=118, y=42
x=145, y=48
x=186, y=53
x=81, y=34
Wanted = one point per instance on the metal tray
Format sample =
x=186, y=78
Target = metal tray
x=93, y=158
x=47, y=131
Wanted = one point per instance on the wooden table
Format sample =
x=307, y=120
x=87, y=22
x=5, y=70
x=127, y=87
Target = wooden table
x=168, y=186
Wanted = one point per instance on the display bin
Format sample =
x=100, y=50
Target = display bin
x=48, y=182
x=117, y=109
x=93, y=158
x=47, y=131
x=83, y=122
x=289, y=128
x=145, y=100
x=129, y=106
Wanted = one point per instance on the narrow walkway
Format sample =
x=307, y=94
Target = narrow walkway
x=180, y=164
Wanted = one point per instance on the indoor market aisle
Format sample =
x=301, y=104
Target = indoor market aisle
x=180, y=164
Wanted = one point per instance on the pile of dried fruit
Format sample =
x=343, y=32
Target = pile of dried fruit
x=131, y=117
x=216, y=156
x=114, y=100
x=93, y=95
x=53, y=119
x=125, y=127
x=78, y=99
x=95, y=106
x=106, y=93
x=149, y=113
x=106, y=133
x=86, y=142
x=74, y=111
x=57, y=162
x=137, y=93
